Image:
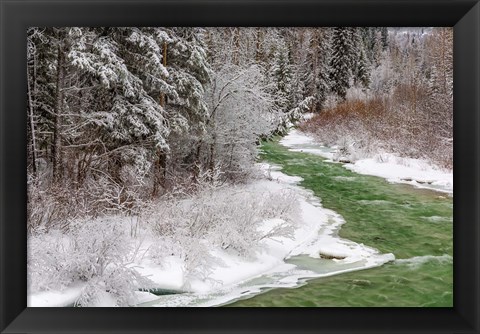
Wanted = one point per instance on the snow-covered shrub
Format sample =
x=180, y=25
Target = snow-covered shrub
x=117, y=286
x=51, y=207
x=364, y=128
x=229, y=218
x=95, y=245
x=283, y=205
x=93, y=251
x=239, y=226
x=55, y=206
x=198, y=262
x=209, y=178
x=48, y=254
x=166, y=246
x=236, y=226
x=356, y=93
x=194, y=253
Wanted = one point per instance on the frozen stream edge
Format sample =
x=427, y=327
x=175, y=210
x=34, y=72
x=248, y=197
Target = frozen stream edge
x=395, y=169
x=279, y=263
x=317, y=233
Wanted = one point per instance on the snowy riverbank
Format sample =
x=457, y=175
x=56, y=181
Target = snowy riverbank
x=313, y=249
x=395, y=169
x=229, y=276
x=315, y=236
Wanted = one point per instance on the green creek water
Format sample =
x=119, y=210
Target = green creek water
x=416, y=225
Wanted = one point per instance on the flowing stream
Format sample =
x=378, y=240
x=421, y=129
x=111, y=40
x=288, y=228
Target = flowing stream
x=416, y=225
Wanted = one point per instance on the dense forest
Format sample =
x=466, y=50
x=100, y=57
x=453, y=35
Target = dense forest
x=120, y=118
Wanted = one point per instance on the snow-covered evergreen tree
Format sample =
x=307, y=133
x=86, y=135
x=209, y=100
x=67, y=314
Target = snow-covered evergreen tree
x=301, y=72
x=282, y=76
x=322, y=86
x=384, y=35
x=343, y=60
x=189, y=74
x=362, y=67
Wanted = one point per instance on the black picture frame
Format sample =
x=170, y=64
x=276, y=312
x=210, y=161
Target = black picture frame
x=17, y=15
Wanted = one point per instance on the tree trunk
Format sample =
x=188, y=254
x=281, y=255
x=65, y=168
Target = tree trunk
x=164, y=60
x=258, y=44
x=315, y=74
x=211, y=164
x=160, y=170
x=236, y=46
x=444, y=68
x=32, y=128
x=57, y=121
x=160, y=166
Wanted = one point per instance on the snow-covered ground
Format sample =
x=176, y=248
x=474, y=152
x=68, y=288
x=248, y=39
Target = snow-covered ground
x=315, y=250
x=389, y=166
x=68, y=296
x=315, y=235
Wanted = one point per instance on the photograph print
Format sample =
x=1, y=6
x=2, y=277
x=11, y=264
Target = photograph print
x=240, y=166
